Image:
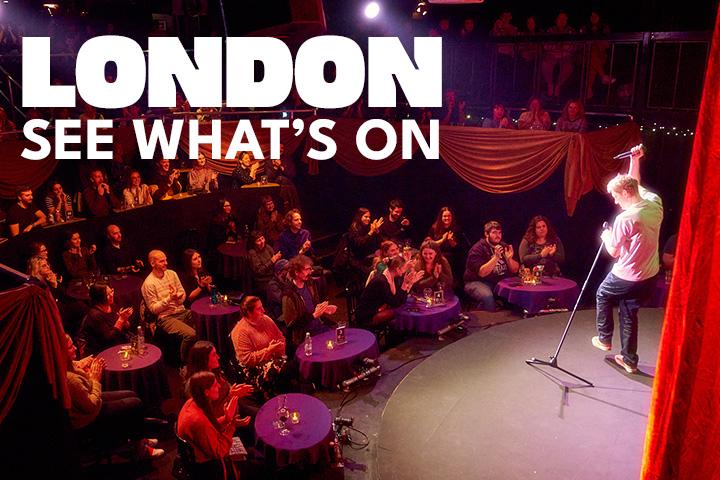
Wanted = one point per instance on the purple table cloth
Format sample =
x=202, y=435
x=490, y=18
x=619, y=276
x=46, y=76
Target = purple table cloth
x=553, y=292
x=415, y=317
x=144, y=374
x=330, y=367
x=127, y=289
x=308, y=439
x=235, y=265
x=214, y=322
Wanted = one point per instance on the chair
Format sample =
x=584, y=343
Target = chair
x=184, y=466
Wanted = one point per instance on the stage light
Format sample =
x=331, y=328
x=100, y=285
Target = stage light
x=372, y=10
x=421, y=10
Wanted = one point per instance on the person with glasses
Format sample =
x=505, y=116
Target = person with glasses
x=137, y=194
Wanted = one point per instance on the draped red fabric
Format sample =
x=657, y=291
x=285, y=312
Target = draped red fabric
x=29, y=320
x=590, y=160
x=493, y=160
x=683, y=435
x=15, y=171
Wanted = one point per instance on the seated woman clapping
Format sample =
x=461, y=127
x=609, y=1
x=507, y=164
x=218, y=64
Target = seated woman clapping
x=104, y=325
x=203, y=357
x=387, y=291
x=542, y=246
x=436, y=269
x=210, y=437
x=117, y=413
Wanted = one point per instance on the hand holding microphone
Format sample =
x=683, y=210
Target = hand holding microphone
x=636, y=150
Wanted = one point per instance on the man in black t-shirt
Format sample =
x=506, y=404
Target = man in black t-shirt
x=24, y=215
x=395, y=224
x=489, y=261
x=116, y=257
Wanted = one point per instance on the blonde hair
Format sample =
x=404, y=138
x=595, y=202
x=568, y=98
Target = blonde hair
x=623, y=183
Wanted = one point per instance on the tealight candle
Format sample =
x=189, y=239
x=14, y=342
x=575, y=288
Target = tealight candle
x=295, y=417
x=225, y=301
x=330, y=345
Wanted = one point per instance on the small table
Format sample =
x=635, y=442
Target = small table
x=552, y=295
x=144, y=374
x=307, y=441
x=234, y=264
x=127, y=289
x=328, y=368
x=414, y=316
x=214, y=322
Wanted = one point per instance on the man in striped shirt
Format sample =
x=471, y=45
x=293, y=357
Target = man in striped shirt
x=164, y=296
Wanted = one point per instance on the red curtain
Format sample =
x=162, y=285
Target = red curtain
x=29, y=320
x=683, y=435
x=15, y=171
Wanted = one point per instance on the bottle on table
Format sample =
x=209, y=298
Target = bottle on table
x=308, y=344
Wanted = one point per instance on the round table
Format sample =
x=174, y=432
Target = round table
x=127, y=289
x=144, y=374
x=308, y=439
x=554, y=293
x=414, y=316
x=214, y=322
x=328, y=368
x=234, y=264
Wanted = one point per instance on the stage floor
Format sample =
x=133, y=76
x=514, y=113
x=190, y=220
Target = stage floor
x=475, y=410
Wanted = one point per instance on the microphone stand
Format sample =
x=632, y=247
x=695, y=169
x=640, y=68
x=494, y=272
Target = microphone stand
x=553, y=359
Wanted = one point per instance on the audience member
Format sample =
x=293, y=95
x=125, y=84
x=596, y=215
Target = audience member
x=196, y=281
x=668, y=253
x=489, y=261
x=558, y=54
x=116, y=256
x=275, y=288
x=166, y=180
x=202, y=178
x=294, y=240
x=262, y=260
x=447, y=233
x=98, y=199
x=39, y=269
x=256, y=338
x=79, y=261
x=210, y=437
x=117, y=413
x=23, y=215
x=224, y=224
x=246, y=170
x=499, y=118
x=394, y=225
x=542, y=246
x=453, y=110
x=302, y=309
x=203, y=357
x=572, y=118
x=137, y=193
x=387, y=291
x=598, y=53
x=58, y=204
x=467, y=32
x=535, y=117
x=437, y=273
x=164, y=296
x=104, y=325
x=362, y=240
x=269, y=220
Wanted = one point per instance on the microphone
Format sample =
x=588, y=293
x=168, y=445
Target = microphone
x=627, y=154
x=606, y=226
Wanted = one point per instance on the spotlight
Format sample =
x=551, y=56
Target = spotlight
x=372, y=10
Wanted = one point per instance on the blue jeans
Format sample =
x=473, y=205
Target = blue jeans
x=628, y=296
x=482, y=293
